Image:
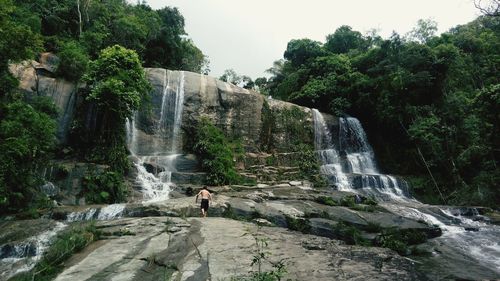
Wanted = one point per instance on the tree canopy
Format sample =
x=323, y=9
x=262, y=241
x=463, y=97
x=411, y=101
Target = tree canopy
x=437, y=95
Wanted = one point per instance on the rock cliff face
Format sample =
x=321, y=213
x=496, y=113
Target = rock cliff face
x=36, y=79
x=262, y=124
x=259, y=122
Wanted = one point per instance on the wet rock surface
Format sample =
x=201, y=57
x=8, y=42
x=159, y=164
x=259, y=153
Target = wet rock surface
x=219, y=248
x=151, y=241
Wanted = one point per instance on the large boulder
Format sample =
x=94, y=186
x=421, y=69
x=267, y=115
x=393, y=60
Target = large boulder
x=36, y=79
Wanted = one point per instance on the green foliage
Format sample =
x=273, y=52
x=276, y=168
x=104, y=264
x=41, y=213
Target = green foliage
x=158, y=36
x=326, y=200
x=424, y=30
x=348, y=201
x=216, y=153
x=104, y=188
x=17, y=42
x=27, y=137
x=260, y=257
x=300, y=51
x=372, y=227
x=308, y=164
x=243, y=81
x=345, y=39
x=74, y=61
x=427, y=102
x=27, y=131
x=17, y=39
x=118, y=85
x=366, y=204
x=299, y=224
x=399, y=240
x=117, y=81
x=69, y=242
x=350, y=234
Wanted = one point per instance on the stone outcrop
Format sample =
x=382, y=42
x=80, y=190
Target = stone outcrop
x=221, y=249
x=36, y=79
x=261, y=124
x=65, y=180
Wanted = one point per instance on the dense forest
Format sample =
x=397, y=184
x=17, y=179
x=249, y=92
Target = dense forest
x=103, y=44
x=430, y=104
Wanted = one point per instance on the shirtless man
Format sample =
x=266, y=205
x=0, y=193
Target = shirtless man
x=205, y=197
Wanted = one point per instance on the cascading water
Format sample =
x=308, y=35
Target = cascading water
x=330, y=161
x=22, y=257
x=155, y=163
x=108, y=212
x=353, y=164
x=353, y=168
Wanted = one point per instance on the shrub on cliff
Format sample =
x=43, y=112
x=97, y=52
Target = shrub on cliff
x=216, y=153
x=117, y=86
x=74, y=61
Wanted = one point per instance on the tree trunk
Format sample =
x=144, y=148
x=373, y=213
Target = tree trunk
x=79, y=18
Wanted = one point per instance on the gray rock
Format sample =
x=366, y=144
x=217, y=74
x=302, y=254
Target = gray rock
x=49, y=189
x=210, y=247
x=62, y=92
x=49, y=62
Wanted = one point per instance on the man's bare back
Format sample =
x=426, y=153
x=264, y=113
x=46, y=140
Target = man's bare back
x=205, y=198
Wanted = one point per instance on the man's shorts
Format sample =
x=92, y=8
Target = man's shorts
x=204, y=204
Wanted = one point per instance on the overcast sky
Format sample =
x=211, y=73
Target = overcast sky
x=248, y=35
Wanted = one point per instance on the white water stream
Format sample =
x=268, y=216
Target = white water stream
x=24, y=256
x=350, y=165
x=162, y=151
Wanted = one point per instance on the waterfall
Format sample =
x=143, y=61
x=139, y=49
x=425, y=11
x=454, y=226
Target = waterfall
x=330, y=161
x=155, y=157
x=22, y=257
x=355, y=160
x=353, y=164
x=108, y=212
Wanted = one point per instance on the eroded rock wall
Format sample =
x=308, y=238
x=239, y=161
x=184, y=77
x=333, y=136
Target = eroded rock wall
x=36, y=79
x=262, y=124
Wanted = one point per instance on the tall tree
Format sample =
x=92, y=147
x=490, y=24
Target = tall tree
x=118, y=85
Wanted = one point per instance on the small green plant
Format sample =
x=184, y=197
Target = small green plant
x=217, y=154
x=168, y=223
x=271, y=160
x=326, y=200
x=350, y=234
x=348, y=201
x=372, y=227
x=360, y=203
x=107, y=187
x=260, y=257
x=399, y=240
x=299, y=224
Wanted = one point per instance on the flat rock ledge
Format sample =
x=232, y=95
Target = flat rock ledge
x=161, y=248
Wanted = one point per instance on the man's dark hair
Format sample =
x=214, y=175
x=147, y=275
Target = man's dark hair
x=204, y=187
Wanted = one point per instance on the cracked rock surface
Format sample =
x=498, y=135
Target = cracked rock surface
x=159, y=248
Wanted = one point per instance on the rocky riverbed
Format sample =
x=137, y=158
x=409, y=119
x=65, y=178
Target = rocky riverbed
x=304, y=231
